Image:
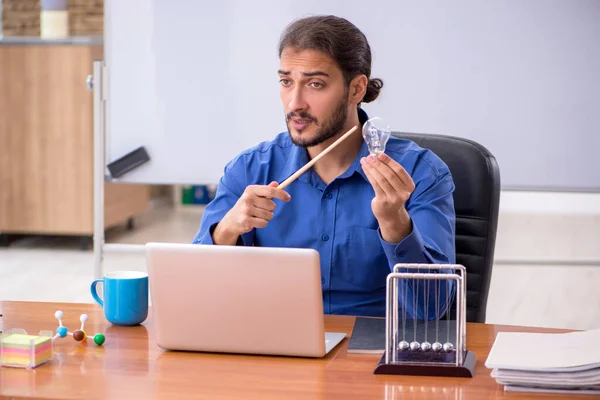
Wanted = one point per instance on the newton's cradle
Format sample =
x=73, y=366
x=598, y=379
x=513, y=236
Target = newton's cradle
x=424, y=346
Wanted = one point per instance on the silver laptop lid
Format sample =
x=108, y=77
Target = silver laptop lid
x=236, y=299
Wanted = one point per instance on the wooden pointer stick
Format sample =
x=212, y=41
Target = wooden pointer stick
x=309, y=164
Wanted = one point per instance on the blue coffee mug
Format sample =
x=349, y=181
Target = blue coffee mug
x=125, y=297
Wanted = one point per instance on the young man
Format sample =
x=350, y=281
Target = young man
x=362, y=214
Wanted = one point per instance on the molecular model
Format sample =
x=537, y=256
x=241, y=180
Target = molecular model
x=79, y=335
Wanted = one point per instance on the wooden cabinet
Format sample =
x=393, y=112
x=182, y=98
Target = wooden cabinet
x=46, y=144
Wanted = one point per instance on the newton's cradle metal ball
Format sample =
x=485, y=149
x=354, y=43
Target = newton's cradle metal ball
x=437, y=347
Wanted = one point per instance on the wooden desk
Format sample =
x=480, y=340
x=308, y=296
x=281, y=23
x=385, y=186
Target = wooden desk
x=131, y=365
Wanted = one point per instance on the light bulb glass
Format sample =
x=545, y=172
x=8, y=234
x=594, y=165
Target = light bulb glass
x=376, y=133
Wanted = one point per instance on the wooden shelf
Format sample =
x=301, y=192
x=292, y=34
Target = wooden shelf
x=46, y=144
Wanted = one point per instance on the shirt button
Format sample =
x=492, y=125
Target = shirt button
x=328, y=196
x=322, y=280
x=325, y=238
x=401, y=253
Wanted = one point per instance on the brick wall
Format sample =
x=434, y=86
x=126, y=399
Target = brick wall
x=22, y=17
x=86, y=17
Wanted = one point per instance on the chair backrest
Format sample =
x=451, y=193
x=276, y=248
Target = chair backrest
x=476, y=201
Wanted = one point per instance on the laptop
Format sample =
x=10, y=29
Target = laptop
x=238, y=299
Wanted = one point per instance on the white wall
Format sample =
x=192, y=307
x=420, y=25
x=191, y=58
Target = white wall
x=547, y=269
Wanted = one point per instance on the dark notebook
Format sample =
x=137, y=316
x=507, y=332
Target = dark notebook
x=368, y=335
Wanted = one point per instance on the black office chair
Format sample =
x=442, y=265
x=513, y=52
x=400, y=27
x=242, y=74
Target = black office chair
x=476, y=202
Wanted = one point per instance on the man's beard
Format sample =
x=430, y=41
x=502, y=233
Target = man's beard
x=329, y=129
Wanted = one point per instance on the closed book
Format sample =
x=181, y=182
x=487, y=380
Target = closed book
x=368, y=334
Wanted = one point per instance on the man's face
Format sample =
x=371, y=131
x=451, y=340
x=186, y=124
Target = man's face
x=314, y=96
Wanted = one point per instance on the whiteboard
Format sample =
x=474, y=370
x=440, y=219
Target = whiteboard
x=195, y=82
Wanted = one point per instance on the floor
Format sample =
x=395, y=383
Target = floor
x=46, y=268
x=561, y=292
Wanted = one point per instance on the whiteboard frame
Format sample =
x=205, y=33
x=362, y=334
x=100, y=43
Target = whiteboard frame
x=97, y=84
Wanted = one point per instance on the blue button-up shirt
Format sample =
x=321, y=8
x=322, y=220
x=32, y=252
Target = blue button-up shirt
x=336, y=219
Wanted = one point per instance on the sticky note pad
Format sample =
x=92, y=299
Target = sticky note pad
x=27, y=351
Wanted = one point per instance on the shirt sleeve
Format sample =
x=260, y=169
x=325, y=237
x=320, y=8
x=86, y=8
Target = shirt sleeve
x=231, y=186
x=431, y=241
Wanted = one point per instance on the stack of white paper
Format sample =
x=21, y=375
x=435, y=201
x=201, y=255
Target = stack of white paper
x=547, y=362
